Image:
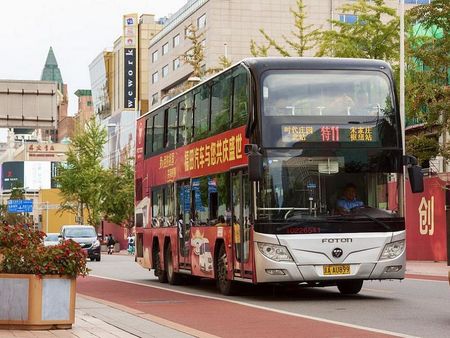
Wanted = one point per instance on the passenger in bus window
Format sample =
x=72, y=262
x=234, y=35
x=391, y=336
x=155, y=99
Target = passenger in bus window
x=342, y=104
x=349, y=200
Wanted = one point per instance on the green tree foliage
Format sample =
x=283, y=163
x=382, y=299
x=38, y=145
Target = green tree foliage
x=423, y=147
x=195, y=55
x=304, y=37
x=81, y=179
x=118, y=204
x=375, y=34
x=428, y=72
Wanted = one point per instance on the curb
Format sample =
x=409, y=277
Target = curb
x=158, y=320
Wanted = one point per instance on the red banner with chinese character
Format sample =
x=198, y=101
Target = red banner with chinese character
x=426, y=227
x=212, y=155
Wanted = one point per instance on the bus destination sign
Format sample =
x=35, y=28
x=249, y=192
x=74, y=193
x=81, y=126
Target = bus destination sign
x=327, y=133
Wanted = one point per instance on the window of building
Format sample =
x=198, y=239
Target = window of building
x=418, y=2
x=201, y=112
x=165, y=48
x=89, y=103
x=220, y=104
x=185, y=115
x=155, y=56
x=155, y=77
x=176, y=63
x=201, y=21
x=155, y=99
x=348, y=18
x=176, y=40
x=187, y=31
x=165, y=71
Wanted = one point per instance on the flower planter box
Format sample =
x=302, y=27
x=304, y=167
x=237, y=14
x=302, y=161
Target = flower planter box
x=30, y=302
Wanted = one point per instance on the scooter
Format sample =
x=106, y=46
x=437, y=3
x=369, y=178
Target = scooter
x=110, y=249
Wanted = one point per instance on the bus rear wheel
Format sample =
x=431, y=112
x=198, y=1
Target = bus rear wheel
x=226, y=287
x=172, y=277
x=349, y=287
x=159, y=272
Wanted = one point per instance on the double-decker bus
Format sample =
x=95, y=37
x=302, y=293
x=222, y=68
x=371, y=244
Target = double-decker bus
x=276, y=170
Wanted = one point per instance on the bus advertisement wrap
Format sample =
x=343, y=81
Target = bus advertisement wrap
x=215, y=154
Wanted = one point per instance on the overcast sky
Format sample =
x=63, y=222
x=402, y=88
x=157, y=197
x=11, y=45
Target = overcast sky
x=78, y=30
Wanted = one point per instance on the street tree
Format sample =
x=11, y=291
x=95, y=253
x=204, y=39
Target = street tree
x=195, y=55
x=81, y=177
x=428, y=77
x=304, y=37
x=373, y=33
x=118, y=203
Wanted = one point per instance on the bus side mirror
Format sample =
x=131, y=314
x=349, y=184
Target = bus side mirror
x=415, y=178
x=255, y=162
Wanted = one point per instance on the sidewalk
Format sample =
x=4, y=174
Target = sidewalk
x=95, y=319
x=427, y=268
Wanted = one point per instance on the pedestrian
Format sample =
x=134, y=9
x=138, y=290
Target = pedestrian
x=110, y=243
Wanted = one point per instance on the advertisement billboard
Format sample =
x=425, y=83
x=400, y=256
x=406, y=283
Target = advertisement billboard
x=12, y=174
x=37, y=175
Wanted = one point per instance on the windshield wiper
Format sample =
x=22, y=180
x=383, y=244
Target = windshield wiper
x=309, y=221
x=375, y=220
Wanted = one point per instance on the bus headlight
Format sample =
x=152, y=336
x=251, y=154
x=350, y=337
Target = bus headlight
x=393, y=250
x=275, y=252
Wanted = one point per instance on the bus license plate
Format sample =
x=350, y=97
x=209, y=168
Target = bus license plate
x=336, y=269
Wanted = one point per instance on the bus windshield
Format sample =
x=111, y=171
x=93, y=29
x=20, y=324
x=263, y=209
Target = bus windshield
x=348, y=184
x=327, y=93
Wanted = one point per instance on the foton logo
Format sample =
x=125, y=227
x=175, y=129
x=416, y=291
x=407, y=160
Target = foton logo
x=337, y=240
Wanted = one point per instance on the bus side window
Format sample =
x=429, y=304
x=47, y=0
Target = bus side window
x=240, y=100
x=170, y=127
x=201, y=112
x=158, y=132
x=200, y=200
x=185, y=120
x=220, y=104
x=219, y=201
x=148, y=136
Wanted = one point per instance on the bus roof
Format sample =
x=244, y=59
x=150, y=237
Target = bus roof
x=260, y=64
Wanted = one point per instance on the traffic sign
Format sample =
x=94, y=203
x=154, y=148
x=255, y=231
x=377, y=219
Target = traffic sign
x=16, y=206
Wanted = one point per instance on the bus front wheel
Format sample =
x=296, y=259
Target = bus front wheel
x=349, y=287
x=226, y=287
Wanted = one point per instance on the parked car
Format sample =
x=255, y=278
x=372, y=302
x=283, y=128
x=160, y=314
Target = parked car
x=51, y=239
x=86, y=236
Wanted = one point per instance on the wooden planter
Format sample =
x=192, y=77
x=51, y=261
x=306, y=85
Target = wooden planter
x=30, y=302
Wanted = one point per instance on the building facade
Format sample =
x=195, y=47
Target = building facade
x=227, y=27
x=85, y=106
x=119, y=80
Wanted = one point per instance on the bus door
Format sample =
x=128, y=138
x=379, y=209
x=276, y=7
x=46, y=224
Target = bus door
x=242, y=247
x=183, y=223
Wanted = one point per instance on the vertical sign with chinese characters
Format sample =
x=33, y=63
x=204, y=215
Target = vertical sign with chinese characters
x=130, y=27
x=426, y=216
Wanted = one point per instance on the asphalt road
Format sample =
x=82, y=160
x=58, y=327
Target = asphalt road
x=418, y=308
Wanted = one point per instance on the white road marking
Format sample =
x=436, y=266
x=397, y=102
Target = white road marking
x=264, y=308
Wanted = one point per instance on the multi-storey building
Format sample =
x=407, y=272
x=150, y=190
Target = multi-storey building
x=85, y=107
x=227, y=27
x=119, y=80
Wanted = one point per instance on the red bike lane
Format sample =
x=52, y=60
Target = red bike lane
x=214, y=316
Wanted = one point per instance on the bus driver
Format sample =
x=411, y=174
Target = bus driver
x=349, y=200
